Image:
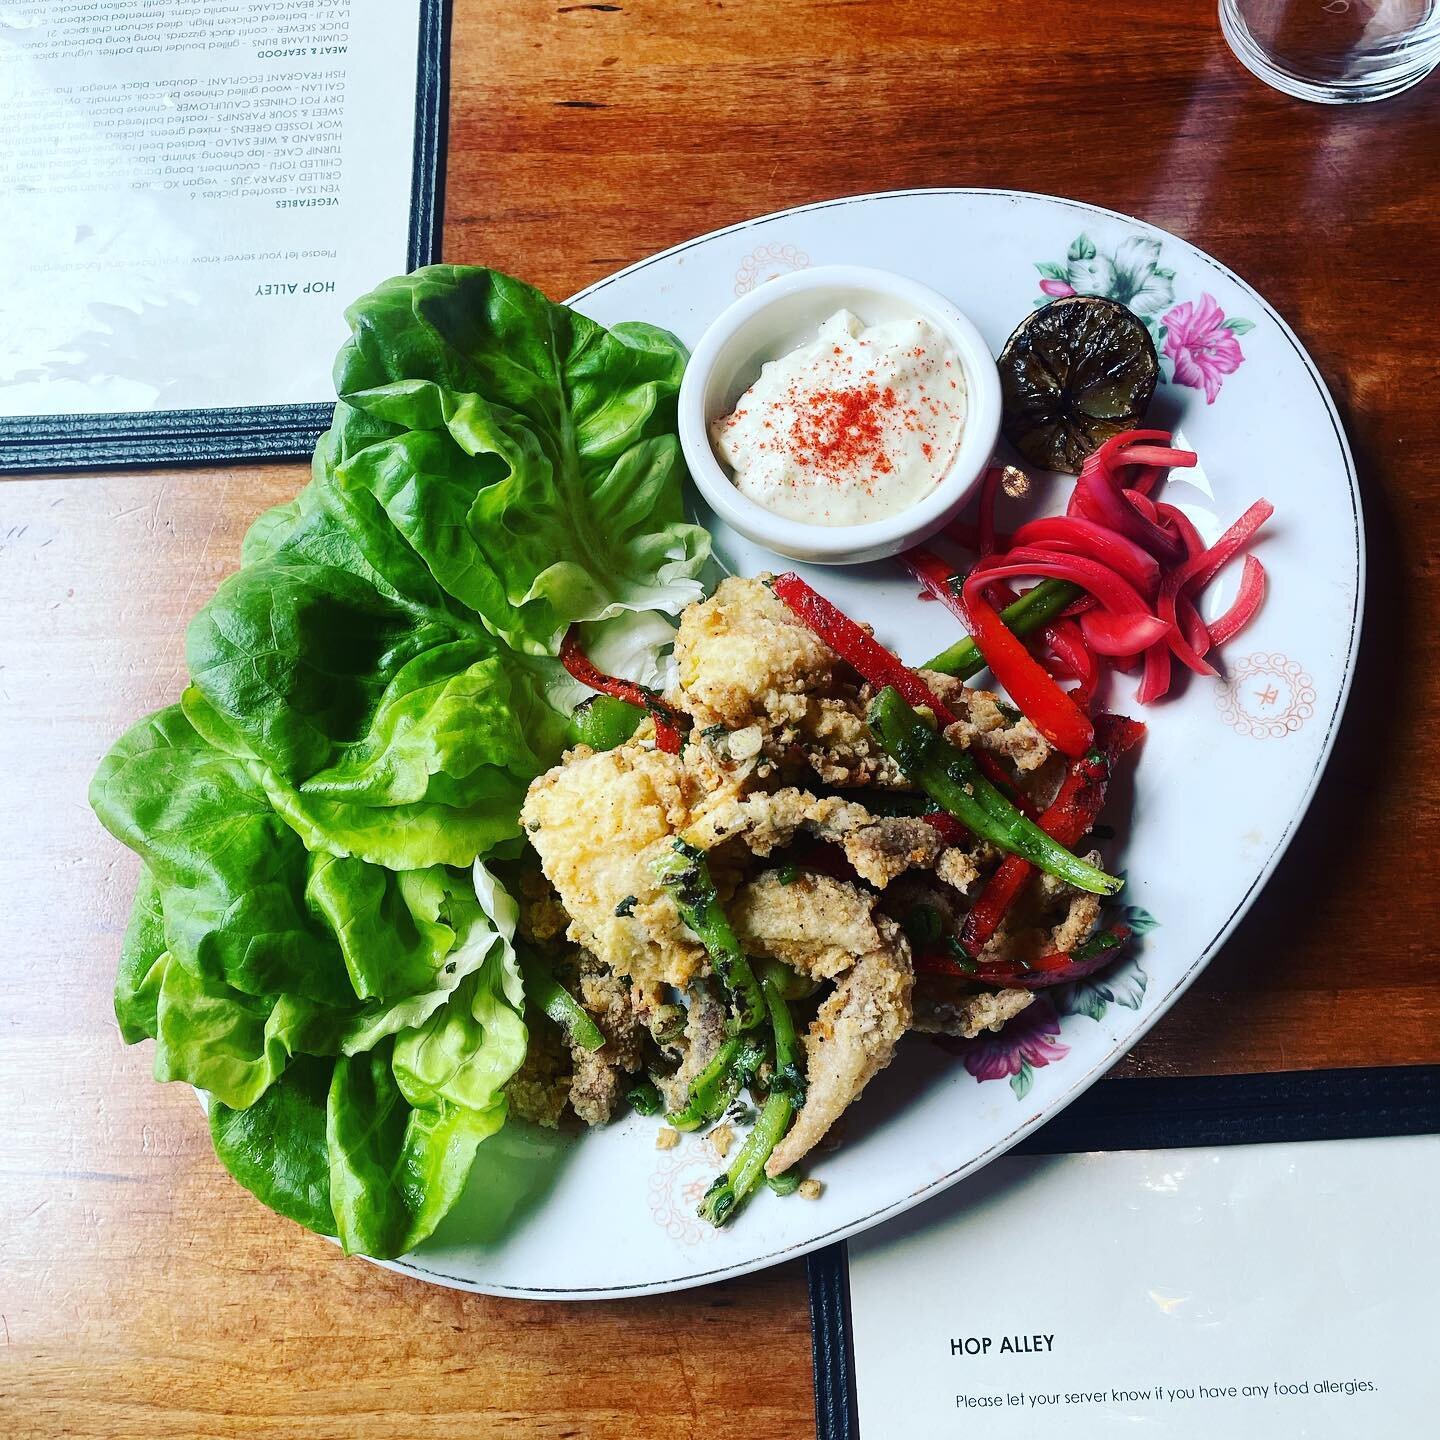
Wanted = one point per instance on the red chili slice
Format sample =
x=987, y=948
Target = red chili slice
x=667, y=721
x=857, y=647
x=1056, y=968
x=1068, y=817
x=1048, y=708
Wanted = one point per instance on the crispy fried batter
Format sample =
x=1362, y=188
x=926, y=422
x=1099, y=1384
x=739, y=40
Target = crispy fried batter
x=600, y=1075
x=743, y=659
x=952, y=1010
x=704, y=1035
x=817, y=925
x=777, y=717
x=851, y=1039
x=986, y=723
x=540, y=1089
x=597, y=821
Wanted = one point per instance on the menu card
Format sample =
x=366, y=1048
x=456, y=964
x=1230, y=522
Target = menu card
x=1236, y=1290
x=193, y=191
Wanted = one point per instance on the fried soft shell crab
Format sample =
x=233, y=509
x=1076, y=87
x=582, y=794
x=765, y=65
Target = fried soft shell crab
x=800, y=816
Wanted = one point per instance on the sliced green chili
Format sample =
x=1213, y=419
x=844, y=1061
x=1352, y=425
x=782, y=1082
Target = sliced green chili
x=787, y=1093
x=952, y=779
x=1029, y=613
x=684, y=872
x=603, y=723
x=546, y=993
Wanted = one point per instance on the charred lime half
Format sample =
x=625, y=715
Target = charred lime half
x=1073, y=374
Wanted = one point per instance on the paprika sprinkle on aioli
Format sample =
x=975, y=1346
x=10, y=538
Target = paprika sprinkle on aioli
x=847, y=428
x=834, y=431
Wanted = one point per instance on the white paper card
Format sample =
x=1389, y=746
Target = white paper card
x=1245, y=1292
x=192, y=191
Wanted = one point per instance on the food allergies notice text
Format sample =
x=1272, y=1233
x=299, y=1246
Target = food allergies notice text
x=196, y=189
x=1250, y=1292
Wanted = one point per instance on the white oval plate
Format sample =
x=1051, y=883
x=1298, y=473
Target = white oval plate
x=1225, y=776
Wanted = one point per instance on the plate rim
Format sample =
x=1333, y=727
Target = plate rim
x=1087, y=1078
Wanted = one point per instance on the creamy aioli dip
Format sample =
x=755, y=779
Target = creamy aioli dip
x=858, y=425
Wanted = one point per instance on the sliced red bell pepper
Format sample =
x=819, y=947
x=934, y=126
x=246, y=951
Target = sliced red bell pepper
x=952, y=832
x=857, y=647
x=1048, y=708
x=937, y=576
x=667, y=721
x=865, y=654
x=1055, y=968
x=1069, y=816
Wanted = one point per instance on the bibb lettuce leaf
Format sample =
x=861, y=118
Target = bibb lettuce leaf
x=371, y=694
x=527, y=453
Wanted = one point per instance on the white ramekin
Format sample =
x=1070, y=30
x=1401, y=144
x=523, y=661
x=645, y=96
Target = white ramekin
x=772, y=320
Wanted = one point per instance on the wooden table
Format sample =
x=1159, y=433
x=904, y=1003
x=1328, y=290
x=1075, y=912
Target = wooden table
x=142, y=1293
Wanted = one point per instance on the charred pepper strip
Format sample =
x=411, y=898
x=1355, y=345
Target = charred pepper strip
x=1069, y=816
x=685, y=873
x=546, y=993
x=667, y=722
x=953, y=779
x=1056, y=968
x=1032, y=611
x=787, y=1092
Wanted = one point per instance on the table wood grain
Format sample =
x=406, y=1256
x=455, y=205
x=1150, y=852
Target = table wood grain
x=142, y=1293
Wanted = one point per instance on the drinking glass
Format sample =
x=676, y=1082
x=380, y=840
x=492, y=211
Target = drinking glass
x=1335, y=51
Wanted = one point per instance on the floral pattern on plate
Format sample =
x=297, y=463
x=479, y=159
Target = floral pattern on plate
x=1266, y=696
x=677, y=1184
x=1031, y=1040
x=1200, y=342
x=766, y=262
